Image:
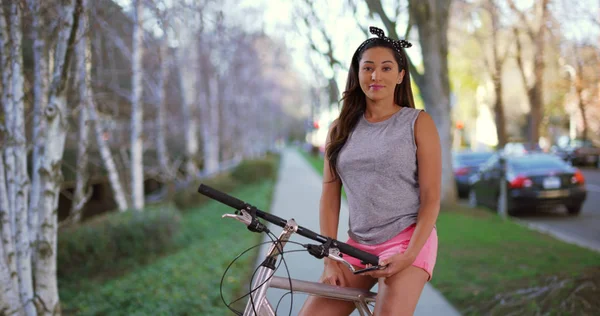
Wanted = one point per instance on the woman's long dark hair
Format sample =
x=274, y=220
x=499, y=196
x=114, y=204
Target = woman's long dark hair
x=354, y=100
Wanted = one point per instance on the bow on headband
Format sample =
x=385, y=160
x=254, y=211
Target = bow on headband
x=398, y=45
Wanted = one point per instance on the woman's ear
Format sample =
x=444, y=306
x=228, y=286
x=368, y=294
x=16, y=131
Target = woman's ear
x=400, y=77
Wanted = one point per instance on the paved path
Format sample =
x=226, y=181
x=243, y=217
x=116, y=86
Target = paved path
x=297, y=195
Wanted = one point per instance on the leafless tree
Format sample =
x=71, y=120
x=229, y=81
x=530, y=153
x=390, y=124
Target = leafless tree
x=535, y=33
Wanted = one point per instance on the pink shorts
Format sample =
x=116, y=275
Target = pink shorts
x=425, y=259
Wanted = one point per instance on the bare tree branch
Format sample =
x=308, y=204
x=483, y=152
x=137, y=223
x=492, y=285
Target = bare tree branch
x=375, y=6
x=529, y=29
x=519, y=58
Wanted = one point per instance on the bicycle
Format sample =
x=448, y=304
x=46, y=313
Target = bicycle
x=258, y=304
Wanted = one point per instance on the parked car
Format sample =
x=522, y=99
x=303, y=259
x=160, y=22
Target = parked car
x=465, y=163
x=578, y=152
x=538, y=179
x=519, y=148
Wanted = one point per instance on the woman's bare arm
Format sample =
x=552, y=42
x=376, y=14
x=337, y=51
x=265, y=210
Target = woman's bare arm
x=329, y=208
x=430, y=170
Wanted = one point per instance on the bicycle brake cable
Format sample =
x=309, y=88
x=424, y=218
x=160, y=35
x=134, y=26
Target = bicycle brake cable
x=273, y=241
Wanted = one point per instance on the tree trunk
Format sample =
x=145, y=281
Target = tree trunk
x=21, y=185
x=210, y=127
x=431, y=18
x=499, y=113
x=498, y=64
x=188, y=78
x=9, y=298
x=40, y=92
x=579, y=91
x=82, y=193
x=535, y=89
x=137, y=168
x=161, y=128
x=537, y=101
x=107, y=158
x=55, y=124
x=209, y=113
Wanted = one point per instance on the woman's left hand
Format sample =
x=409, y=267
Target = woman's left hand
x=393, y=265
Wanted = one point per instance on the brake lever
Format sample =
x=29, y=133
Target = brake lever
x=250, y=221
x=243, y=217
x=336, y=255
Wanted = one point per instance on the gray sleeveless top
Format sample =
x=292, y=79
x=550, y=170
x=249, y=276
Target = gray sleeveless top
x=378, y=170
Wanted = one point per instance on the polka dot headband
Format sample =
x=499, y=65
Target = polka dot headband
x=397, y=44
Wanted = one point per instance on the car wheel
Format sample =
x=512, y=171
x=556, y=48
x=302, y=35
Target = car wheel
x=473, y=198
x=574, y=209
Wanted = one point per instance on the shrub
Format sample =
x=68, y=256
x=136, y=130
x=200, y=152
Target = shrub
x=249, y=171
x=106, y=243
x=189, y=197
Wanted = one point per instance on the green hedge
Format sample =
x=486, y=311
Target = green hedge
x=248, y=171
x=115, y=241
x=100, y=245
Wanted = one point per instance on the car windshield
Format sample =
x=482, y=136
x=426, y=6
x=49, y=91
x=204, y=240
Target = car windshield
x=537, y=162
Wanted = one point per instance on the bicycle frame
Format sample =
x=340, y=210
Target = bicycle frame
x=264, y=280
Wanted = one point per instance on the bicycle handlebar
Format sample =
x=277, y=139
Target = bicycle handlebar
x=237, y=204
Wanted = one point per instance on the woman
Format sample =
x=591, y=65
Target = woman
x=387, y=156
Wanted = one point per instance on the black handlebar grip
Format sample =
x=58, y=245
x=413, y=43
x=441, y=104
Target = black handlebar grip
x=357, y=253
x=221, y=197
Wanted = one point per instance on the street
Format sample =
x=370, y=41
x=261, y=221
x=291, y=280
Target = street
x=583, y=229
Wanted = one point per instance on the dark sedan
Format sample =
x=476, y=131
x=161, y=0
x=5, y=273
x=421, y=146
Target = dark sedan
x=579, y=153
x=532, y=180
x=466, y=163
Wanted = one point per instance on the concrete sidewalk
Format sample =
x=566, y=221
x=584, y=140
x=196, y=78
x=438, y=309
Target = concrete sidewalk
x=297, y=195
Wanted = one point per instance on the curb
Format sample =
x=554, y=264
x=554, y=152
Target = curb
x=564, y=237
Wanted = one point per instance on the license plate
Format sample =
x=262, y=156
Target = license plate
x=553, y=193
x=551, y=183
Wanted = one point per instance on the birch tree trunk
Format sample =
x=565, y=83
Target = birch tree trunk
x=161, y=130
x=209, y=113
x=188, y=79
x=107, y=157
x=9, y=297
x=82, y=194
x=21, y=185
x=55, y=121
x=137, y=169
x=40, y=92
x=210, y=127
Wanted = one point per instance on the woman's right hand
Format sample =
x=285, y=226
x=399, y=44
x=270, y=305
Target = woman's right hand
x=333, y=274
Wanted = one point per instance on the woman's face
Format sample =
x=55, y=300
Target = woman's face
x=378, y=73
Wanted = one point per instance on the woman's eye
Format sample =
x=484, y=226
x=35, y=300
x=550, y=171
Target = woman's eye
x=367, y=68
x=387, y=68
